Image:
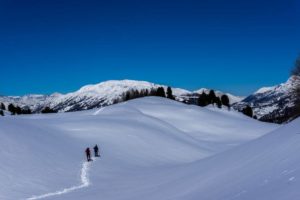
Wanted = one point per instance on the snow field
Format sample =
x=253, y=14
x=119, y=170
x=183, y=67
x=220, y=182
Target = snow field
x=152, y=148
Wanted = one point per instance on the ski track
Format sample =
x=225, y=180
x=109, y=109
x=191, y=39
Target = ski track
x=85, y=182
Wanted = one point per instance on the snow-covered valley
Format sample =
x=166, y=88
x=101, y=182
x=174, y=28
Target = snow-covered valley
x=151, y=148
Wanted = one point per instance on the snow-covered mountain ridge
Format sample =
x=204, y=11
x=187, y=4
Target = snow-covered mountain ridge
x=273, y=103
x=268, y=103
x=92, y=96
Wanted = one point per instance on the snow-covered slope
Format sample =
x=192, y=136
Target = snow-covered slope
x=267, y=168
x=152, y=148
x=273, y=103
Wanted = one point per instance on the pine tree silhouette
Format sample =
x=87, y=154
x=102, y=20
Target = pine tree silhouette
x=12, y=109
x=225, y=100
x=170, y=93
x=218, y=102
x=161, y=92
x=212, y=97
x=203, y=99
x=2, y=106
x=248, y=111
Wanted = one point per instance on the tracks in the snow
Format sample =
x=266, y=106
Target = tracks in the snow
x=85, y=182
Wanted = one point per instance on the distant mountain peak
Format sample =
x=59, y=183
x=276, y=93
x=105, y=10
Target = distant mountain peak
x=116, y=84
x=264, y=89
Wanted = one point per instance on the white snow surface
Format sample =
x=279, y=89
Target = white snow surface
x=152, y=149
x=85, y=182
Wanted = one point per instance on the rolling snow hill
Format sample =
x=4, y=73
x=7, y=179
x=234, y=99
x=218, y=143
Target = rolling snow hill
x=151, y=148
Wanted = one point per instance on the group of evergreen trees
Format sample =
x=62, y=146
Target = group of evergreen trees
x=160, y=92
x=16, y=110
x=203, y=100
x=48, y=110
x=211, y=98
x=13, y=109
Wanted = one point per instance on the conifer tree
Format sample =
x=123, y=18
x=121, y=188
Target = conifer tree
x=153, y=92
x=203, y=99
x=18, y=110
x=211, y=97
x=161, y=92
x=248, y=111
x=12, y=109
x=127, y=95
x=218, y=102
x=170, y=93
x=225, y=100
x=2, y=106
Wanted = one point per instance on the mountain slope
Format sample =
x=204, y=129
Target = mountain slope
x=103, y=94
x=273, y=103
x=93, y=96
x=142, y=142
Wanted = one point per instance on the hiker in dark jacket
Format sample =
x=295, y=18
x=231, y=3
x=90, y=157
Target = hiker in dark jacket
x=88, y=154
x=96, y=151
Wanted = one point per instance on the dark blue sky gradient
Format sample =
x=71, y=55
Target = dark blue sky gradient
x=233, y=45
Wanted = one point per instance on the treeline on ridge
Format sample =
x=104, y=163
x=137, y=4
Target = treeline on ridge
x=202, y=100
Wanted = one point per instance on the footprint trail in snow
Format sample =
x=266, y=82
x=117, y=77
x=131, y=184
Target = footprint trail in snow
x=85, y=182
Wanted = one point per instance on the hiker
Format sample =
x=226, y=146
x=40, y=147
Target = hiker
x=96, y=150
x=88, y=154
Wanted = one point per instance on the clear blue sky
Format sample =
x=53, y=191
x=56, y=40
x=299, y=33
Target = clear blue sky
x=231, y=45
